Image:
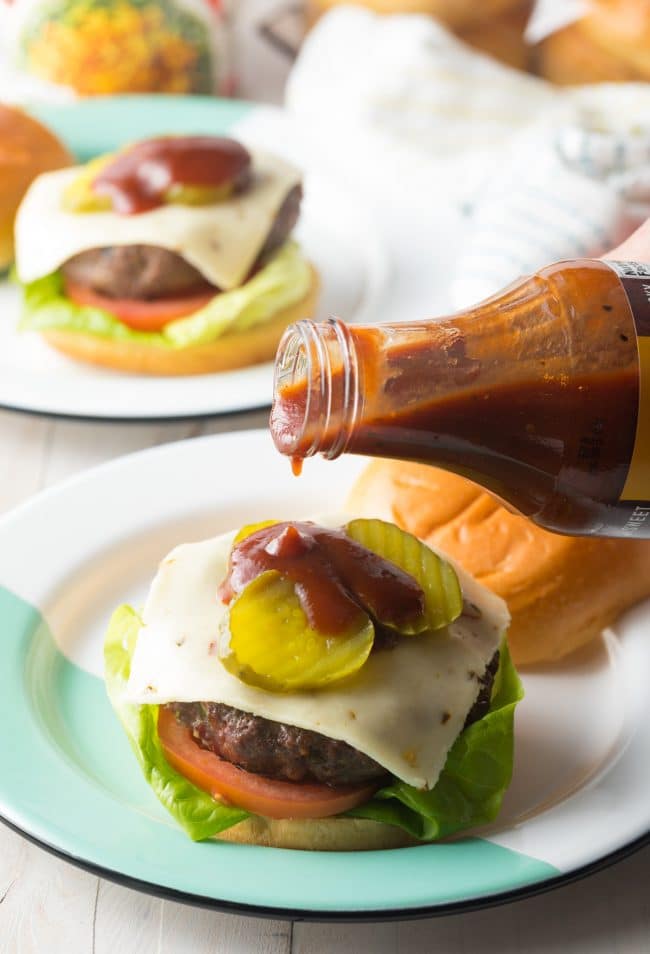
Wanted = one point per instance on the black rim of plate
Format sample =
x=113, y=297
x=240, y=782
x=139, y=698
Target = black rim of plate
x=367, y=916
x=147, y=419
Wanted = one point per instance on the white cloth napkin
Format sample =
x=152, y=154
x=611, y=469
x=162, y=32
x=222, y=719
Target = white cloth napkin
x=416, y=119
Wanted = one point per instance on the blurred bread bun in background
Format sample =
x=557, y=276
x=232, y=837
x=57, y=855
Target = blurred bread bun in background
x=561, y=591
x=502, y=37
x=456, y=14
x=495, y=27
x=611, y=43
x=26, y=149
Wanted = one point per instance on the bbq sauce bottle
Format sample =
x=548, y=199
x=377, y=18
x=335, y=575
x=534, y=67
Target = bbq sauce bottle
x=540, y=394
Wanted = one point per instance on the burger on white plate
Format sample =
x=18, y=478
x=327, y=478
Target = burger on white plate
x=330, y=685
x=171, y=256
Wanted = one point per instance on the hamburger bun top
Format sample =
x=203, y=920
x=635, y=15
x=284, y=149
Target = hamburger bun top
x=26, y=149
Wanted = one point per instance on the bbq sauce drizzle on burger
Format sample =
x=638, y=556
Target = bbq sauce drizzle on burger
x=166, y=169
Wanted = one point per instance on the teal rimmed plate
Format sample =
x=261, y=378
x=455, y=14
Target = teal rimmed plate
x=336, y=233
x=70, y=782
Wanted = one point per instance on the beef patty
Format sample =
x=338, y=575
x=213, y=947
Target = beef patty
x=149, y=272
x=286, y=752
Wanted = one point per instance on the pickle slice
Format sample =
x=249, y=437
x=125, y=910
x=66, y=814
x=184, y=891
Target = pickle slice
x=442, y=593
x=180, y=194
x=273, y=647
x=78, y=195
x=251, y=528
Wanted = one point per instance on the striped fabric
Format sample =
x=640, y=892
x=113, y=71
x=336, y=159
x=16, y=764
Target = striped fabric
x=410, y=115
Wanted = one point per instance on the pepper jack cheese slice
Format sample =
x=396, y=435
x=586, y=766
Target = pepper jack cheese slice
x=404, y=708
x=221, y=240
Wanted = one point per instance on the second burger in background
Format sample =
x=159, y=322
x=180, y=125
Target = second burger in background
x=171, y=256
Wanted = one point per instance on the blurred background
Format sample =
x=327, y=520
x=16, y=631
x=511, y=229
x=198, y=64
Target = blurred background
x=529, y=118
x=247, y=46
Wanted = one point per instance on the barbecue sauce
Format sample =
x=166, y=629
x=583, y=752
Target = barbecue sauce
x=335, y=577
x=538, y=394
x=139, y=179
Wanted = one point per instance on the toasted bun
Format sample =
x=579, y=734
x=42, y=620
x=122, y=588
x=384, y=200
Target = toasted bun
x=26, y=150
x=456, y=14
x=569, y=57
x=611, y=43
x=236, y=350
x=621, y=28
x=318, y=834
x=561, y=591
x=502, y=37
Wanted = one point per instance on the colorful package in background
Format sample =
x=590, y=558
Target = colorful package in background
x=104, y=47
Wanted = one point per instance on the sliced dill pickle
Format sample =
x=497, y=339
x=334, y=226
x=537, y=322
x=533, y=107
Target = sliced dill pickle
x=180, y=194
x=251, y=528
x=78, y=195
x=442, y=593
x=273, y=647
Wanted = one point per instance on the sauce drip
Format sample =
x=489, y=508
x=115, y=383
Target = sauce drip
x=335, y=577
x=138, y=179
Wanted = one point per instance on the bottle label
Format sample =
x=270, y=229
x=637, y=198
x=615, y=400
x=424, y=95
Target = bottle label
x=635, y=496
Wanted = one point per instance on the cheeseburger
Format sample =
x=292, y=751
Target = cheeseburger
x=330, y=686
x=171, y=256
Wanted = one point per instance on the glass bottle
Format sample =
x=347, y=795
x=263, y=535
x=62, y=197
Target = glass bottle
x=541, y=394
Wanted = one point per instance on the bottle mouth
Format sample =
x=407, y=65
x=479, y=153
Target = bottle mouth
x=315, y=395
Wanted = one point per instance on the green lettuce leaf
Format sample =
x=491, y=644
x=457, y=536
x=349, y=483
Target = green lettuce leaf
x=468, y=792
x=472, y=784
x=281, y=283
x=199, y=814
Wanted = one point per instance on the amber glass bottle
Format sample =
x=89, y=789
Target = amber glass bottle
x=541, y=394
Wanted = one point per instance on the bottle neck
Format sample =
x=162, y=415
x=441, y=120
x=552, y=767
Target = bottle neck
x=317, y=399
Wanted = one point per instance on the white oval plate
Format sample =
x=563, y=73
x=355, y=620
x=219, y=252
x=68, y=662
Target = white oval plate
x=333, y=231
x=578, y=800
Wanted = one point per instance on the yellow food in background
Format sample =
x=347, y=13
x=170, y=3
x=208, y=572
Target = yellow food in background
x=122, y=48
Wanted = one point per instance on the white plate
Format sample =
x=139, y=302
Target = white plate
x=335, y=233
x=579, y=796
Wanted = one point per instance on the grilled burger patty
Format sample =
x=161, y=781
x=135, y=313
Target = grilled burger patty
x=149, y=272
x=286, y=752
x=274, y=749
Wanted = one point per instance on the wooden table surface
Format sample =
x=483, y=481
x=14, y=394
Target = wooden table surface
x=49, y=907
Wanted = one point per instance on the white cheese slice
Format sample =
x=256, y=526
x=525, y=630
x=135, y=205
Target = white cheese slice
x=404, y=708
x=221, y=240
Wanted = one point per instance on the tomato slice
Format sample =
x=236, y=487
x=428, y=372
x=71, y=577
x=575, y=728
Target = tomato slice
x=262, y=796
x=139, y=314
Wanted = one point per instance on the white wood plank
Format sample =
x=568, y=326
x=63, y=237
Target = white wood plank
x=126, y=922
x=345, y=938
x=195, y=931
x=23, y=450
x=77, y=445
x=47, y=905
x=608, y=913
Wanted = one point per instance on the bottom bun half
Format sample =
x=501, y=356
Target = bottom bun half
x=561, y=591
x=318, y=834
x=231, y=351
